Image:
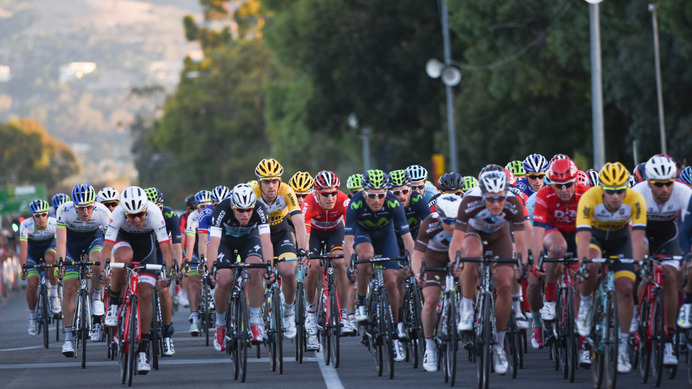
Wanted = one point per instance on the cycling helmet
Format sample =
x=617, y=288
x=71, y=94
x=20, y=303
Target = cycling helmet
x=301, y=182
x=252, y=182
x=639, y=172
x=220, y=193
x=108, y=194
x=38, y=206
x=134, y=200
x=686, y=175
x=535, y=163
x=154, y=195
x=614, y=174
x=354, y=181
x=447, y=206
x=83, y=194
x=203, y=197
x=631, y=182
x=511, y=178
x=562, y=171
x=190, y=201
x=243, y=196
x=555, y=158
x=326, y=179
x=417, y=172
x=582, y=178
x=375, y=179
x=269, y=168
x=492, y=179
x=516, y=168
x=450, y=182
x=400, y=177
x=470, y=182
x=59, y=198
x=660, y=168
x=593, y=174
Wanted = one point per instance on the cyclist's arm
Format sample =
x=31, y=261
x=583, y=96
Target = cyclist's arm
x=23, y=251
x=178, y=253
x=520, y=242
x=267, y=248
x=167, y=251
x=190, y=245
x=408, y=241
x=348, y=247
x=301, y=233
x=213, y=249
x=107, y=249
x=638, y=244
x=202, y=240
x=61, y=241
x=538, y=234
x=583, y=242
x=416, y=261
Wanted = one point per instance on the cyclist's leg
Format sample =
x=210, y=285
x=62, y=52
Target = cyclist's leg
x=472, y=247
x=335, y=243
x=50, y=255
x=224, y=279
x=32, y=279
x=384, y=242
x=670, y=281
x=194, y=286
x=286, y=248
x=364, y=249
x=314, y=270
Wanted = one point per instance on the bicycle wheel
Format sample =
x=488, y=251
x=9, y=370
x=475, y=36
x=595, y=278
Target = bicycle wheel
x=451, y=339
x=204, y=311
x=323, y=323
x=417, y=337
x=84, y=327
x=243, y=340
x=232, y=332
x=611, y=340
x=644, y=339
x=483, y=333
x=568, y=336
x=658, y=337
x=123, y=349
x=334, y=326
x=511, y=346
x=133, y=335
x=300, y=323
x=597, y=341
x=277, y=316
x=373, y=333
x=387, y=330
x=42, y=307
x=154, y=331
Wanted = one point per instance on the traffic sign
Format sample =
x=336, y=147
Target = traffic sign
x=16, y=199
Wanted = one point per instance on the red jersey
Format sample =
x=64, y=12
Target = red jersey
x=320, y=219
x=551, y=211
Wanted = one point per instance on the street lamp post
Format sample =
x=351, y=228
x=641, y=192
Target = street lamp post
x=365, y=136
x=659, y=88
x=596, y=86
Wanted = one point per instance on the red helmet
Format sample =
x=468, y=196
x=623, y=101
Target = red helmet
x=511, y=178
x=326, y=179
x=582, y=178
x=562, y=170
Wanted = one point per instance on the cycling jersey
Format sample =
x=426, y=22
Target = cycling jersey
x=593, y=216
x=416, y=211
x=524, y=187
x=81, y=235
x=191, y=229
x=172, y=225
x=550, y=211
x=285, y=204
x=204, y=220
x=433, y=242
x=320, y=219
x=661, y=225
x=39, y=241
x=120, y=228
x=360, y=214
x=473, y=213
x=224, y=222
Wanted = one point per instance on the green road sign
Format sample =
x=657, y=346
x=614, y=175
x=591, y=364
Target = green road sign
x=16, y=199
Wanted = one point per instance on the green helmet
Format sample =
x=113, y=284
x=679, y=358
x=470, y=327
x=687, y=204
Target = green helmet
x=375, y=179
x=399, y=177
x=154, y=195
x=470, y=182
x=354, y=182
x=516, y=168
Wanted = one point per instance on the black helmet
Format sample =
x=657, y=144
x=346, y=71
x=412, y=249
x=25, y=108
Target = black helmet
x=450, y=182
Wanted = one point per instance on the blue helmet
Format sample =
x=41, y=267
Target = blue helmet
x=535, y=163
x=686, y=175
x=59, y=198
x=83, y=194
x=38, y=206
x=203, y=196
x=220, y=193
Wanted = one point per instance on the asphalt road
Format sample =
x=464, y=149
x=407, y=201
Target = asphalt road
x=25, y=363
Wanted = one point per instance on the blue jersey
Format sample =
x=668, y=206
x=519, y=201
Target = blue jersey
x=416, y=210
x=360, y=214
x=523, y=185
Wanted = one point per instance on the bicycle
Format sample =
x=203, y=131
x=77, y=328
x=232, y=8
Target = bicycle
x=207, y=311
x=237, y=340
x=485, y=325
x=379, y=332
x=272, y=314
x=566, y=338
x=605, y=324
x=44, y=312
x=301, y=335
x=446, y=335
x=155, y=333
x=82, y=314
x=328, y=310
x=411, y=316
x=129, y=336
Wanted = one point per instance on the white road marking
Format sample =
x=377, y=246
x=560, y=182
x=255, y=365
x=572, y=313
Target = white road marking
x=331, y=377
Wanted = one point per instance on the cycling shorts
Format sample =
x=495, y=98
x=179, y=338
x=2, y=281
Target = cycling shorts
x=333, y=239
x=74, y=251
x=247, y=246
x=382, y=240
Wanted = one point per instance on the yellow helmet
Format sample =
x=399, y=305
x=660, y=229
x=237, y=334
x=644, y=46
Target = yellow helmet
x=301, y=182
x=614, y=174
x=269, y=167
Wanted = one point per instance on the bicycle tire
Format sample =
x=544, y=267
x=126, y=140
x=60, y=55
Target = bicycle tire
x=243, y=341
x=375, y=339
x=154, y=331
x=83, y=329
x=548, y=335
x=451, y=339
x=133, y=333
x=59, y=316
x=569, y=337
x=510, y=345
x=300, y=323
x=231, y=338
x=658, y=337
x=387, y=329
x=417, y=337
x=334, y=326
x=323, y=322
x=277, y=317
x=612, y=341
x=644, y=339
x=44, y=305
x=203, y=312
x=123, y=349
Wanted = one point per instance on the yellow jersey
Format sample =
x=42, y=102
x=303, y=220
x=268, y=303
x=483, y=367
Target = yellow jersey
x=592, y=214
x=285, y=203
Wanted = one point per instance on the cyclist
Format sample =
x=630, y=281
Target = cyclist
x=135, y=226
x=448, y=183
x=419, y=183
x=109, y=197
x=324, y=213
x=353, y=184
x=194, y=252
x=639, y=172
x=603, y=217
x=485, y=214
x=240, y=223
x=686, y=175
x=281, y=201
x=554, y=229
x=80, y=225
x=519, y=287
x=371, y=219
x=433, y=244
x=665, y=199
x=301, y=183
x=414, y=204
x=57, y=201
x=190, y=206
x=173, y=229
x=36, y=241
x=535, y=166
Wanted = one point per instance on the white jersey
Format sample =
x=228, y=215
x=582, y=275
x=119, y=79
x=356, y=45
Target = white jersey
x=67, y=217
x=192, y=223
x=154, y=223
x=668, y=211
x=29, y=231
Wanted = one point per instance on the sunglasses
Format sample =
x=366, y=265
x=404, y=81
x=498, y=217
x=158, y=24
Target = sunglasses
x=302, y=195
x=41, y=214
x=663, y=183
x=243, y=210
x=448, y=221
x=110, y=204
x=270, y=180
x=614, y=191
x=495, y=199
x=418, y=187
x=136, y=215
x=373, y=195
x=329, y=194
x=535, y=176
x=84, y=207
x=566, y=185
x=400, y=192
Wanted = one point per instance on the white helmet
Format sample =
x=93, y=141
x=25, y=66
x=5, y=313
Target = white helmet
x=492, y=179
x=447, y=206
x=417, y=172
x=134, y=200
x=660, y=168
x=108, y=194
x=243, y=196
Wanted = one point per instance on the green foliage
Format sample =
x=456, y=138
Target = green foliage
x=191, y=29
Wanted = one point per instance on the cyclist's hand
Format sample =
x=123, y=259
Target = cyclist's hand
x=302, y=257
x=421, y=280
x=457, y=271
x=270, y=277
x=407, y=271
x=536, y=271
x=22, y=274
